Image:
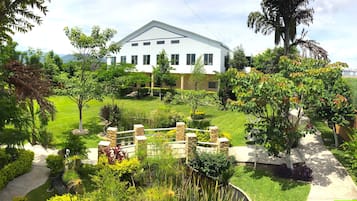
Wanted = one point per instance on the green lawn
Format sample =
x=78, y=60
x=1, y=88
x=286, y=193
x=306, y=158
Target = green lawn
x=262, y=186
x=67, y=117
x=40, y=193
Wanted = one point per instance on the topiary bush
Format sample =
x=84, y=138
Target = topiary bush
x=55, y=163
x=20, y=166
x=76, y=145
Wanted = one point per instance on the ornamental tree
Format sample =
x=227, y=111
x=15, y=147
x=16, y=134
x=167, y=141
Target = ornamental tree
x=82, y=87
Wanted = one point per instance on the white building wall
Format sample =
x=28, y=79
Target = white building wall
x=185, y=46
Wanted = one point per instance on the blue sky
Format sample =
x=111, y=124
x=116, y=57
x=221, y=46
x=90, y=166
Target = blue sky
x=334, y=24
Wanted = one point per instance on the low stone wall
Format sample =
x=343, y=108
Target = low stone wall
x=189, y=139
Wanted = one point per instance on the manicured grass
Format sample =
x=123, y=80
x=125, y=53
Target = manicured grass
x=262, y=186
x=352, y=82
x=67, y=117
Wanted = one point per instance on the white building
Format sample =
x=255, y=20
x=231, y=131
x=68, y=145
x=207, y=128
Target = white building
x=182, y=47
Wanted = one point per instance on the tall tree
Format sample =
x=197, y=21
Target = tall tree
x=82, y=87
x=198, y=73
x=283, y=17
x=19, y=16
x=239, y=60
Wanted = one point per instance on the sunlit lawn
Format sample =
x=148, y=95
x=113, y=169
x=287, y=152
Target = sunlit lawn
x=352, y=82
x=67, y=117
x=262, y=186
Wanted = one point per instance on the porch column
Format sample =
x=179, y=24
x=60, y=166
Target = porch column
x=152, y=84
x=182, y=81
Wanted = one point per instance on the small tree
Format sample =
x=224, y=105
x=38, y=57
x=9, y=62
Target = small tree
x=162, y=71
x=198, y=73
x=82, y=87
x=239, y=60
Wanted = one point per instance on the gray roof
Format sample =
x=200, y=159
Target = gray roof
x=172, y=29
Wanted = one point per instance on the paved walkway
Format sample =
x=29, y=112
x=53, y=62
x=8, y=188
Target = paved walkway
x=331, y=181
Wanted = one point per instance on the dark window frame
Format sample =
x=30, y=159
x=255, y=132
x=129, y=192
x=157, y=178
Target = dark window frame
x=146, y=43
x=160, y=42
x=134, y=59
x=146, y=59
x=175, y=59
x=208, y=59
x=175, y=41
x=212, y=85
x=190, y=59
x=135, y=44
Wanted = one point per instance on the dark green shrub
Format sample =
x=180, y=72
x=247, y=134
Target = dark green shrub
x=198, y=115
x=111, y=113
x=76, y=145
x=20, y=166
x=218, y=166
x=45, y=138
x=199, y=124
x=4, y=158
x=143, y=92
x=55, y=163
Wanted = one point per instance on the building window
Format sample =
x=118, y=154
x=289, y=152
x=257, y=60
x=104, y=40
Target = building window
x=146, y=43
x=208, y=59
x=190, y=58
x=212, y=85
x=134, y=44
x=123, y=59
x=175, y=41
x=174, y=59
x=160, y=42
x=146, y=60
x=134, y=59
x=113, y=60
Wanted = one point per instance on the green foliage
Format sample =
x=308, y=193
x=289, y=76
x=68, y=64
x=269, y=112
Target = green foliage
x=110, y=187
x=225, y=92
x=19, y=198
x=202, y=136
x=198, y=73
x=217, y=166
x=198, y=123
x=162, y=71
x=239, y=60
x=65, y=197
x=45, y=138
x=158, y=193
x=20, y=166
x=55, y=163
x=69, y=175
x=350, y=154
x=112, y=114
x=76, y=145
x=5, y=158
x=352, y=83
x=83, y=86
x=19, y=16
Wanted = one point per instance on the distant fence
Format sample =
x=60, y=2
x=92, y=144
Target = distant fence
x=182, y=141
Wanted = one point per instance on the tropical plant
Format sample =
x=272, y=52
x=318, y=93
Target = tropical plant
x=162, y=70
x=283, y=17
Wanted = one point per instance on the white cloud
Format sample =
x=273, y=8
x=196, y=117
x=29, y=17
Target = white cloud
x=225, y=21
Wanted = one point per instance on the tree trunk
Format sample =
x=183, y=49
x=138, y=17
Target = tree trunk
x=335, y=135
x=289, y=163
x=80, y=107
x=33, y=122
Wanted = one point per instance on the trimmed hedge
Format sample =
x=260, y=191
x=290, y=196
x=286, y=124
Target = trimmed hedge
x=20, y=166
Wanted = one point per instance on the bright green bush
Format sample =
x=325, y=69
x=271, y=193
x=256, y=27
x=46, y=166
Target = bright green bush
x=20, y=166
x=65, y=197
x=55, y=163
x=76, y=145
x=199, y=124
x=69, y=175
x=19, y=198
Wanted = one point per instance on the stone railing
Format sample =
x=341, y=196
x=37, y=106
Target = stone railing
x=185, y=140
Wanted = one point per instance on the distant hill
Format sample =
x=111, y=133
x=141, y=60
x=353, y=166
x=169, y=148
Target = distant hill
x=67, y=57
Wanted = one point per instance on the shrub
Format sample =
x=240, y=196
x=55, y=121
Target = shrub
x=65, y=197
x=69, y=175
x=203, y=136
x=198, y=115
x=143, y=92
x=217, y=166
x=20, y=166
x=76, y=145
x=4, y=158
x=199, y=124
x=55, y=163
x=19, y=198
x=126, y=166
x=45, y=138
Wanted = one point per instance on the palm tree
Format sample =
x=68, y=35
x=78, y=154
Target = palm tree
x=18, y=15
x=282, y=17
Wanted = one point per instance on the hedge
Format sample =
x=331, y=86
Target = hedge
x=20, y=166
